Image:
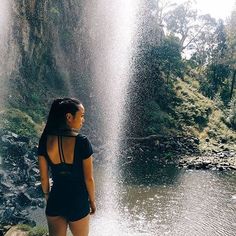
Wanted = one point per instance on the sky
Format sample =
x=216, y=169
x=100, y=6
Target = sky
x=216, y=8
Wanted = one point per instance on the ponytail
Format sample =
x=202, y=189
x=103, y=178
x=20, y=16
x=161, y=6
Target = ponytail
x=57, y=114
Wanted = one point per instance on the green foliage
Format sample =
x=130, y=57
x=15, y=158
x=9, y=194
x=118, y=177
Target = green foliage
x=54, y=14
x=18, y=122
x=203, y=118
x=158, y=107
x=193, y=114
x=169, y=58
x=38, y=231
x=193, y=110
x=220, y=49
x=38, y=78
x=218, y=101
x=24, y=227
x=225, y=94
x=35, y=231
x=66, y=37
x=168, y=155
x=192, y=81
x=218, y=71
x=158, y=121
x=35, y=109
x=156, y=67
x=216, y=74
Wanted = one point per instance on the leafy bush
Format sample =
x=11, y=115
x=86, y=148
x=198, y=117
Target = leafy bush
x=158, y=121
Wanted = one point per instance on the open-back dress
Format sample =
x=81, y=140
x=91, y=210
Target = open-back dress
x=68, y=196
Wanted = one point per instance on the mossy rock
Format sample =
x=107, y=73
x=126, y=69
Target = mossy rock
x=18, y=122
x=31, y=231
x=16, y=231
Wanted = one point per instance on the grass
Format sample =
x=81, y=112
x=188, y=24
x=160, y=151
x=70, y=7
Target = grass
x=202, y=118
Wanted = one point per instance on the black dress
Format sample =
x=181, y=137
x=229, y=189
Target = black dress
x=68, y=196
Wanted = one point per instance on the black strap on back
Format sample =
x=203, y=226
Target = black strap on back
x=61, y=154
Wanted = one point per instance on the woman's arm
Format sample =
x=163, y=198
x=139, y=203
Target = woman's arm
x=89, y=181
x=44, y=177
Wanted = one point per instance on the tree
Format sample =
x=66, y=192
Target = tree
x=201, y=45
x=216, y=74
x=180, y=22
x=217, y=69
x=168, y=56
x=162, y=11
x=220, y=47
x=231, y=38
x=231, y=114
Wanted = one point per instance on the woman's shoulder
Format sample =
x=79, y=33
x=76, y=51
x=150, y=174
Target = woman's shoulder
x=82, y=137
x=83, y=140
x=84, y=146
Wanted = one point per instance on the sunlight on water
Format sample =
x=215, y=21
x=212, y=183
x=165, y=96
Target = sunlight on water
x=192, y=203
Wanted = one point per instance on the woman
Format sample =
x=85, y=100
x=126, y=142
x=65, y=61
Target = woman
x=69, y=155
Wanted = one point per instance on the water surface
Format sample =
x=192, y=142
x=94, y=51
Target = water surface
x=146, y=198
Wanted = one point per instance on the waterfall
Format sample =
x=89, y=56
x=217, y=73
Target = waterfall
x=100, y=49
x=7, y=49
x=91, y=40
x=111, y=30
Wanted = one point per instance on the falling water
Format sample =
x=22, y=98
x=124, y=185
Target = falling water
x=7, y=58
x=112, y=28
x=5, y=61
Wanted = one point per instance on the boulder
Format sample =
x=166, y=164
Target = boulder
x=15, y=231
x=23, y=199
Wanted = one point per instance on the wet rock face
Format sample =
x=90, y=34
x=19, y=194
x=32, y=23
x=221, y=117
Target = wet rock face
x=183, y=151
x=162, y=144
x=225, y=160
x=20, y=187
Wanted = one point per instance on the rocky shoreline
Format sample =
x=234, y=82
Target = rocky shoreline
x=165, y=145
x=20, y=187
x=222, y=161
x=185, y=152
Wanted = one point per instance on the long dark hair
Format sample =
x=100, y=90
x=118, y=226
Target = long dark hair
x=57, y=115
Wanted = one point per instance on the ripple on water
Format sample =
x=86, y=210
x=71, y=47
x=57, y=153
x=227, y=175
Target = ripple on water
x=196, y=203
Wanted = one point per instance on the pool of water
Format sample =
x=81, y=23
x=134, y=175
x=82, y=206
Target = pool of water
x=138, y=197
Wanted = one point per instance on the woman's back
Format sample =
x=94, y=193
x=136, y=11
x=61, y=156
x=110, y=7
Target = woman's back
x=65, y=155
x=69, y=156
x=61, y=149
